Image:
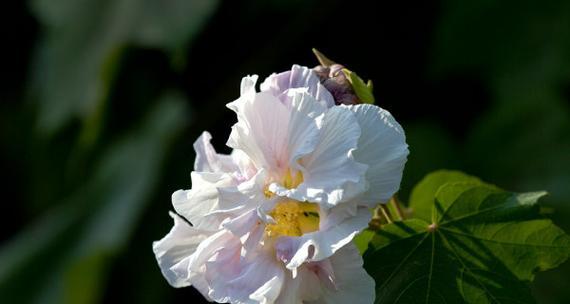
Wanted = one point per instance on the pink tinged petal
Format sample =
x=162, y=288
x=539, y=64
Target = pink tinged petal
x=250, y=227
x=248, y=85
x=208, y=248
x=324, y=272
x=173, y=252
x=207, y=160
x=269, y=291
x=305, y=287
x=338, y=227
x=246, y=168
x=243, y=225
x=256, y=280
x=306, y=120
x=382, y=146
x=298, y=77
x=338, y=279
x=246, y=195
x=351, y=282
x=202, y=199
x=331, y=175
x=261, y=130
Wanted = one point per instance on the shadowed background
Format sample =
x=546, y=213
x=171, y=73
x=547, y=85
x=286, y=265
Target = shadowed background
x=101, y=101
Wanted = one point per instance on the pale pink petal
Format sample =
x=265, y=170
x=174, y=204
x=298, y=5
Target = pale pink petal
x=331, y=175
x=338, y=279
x=208, y=248
x=202, y=199
x=382, y=146
x=298, y=77
x=242, y=224
x=248, y=85
x=304, y=288
x=352, y=283
x=174, y=250
x=257, y=279
x=261, y=130
x=207, y=160
x=304, y=127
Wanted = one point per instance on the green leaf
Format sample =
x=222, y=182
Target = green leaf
x=421, y=199
x=481, y=244
x=71, y=246
x=363, y=90
x=362, y=239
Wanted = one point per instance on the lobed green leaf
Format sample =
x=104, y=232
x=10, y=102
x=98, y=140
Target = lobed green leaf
x=471, y=243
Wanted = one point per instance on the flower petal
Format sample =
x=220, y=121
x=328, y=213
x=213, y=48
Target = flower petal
x=222, y=240
x=382, y=146
x=304, y=288
x=248, y=85
x=306, y=120
x=339, y=225
x=298, y=77
x=258, y=280
x=338, y=279
x=202, y=199
x=331, y=175
x=261, y=130
x=352, y=283
x=207, y=160
x=174, y=250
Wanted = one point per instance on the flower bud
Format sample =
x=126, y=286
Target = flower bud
x=334, y=78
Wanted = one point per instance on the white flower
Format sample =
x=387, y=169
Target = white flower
x=273, y=221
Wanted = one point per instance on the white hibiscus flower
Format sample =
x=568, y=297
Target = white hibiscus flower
x=273, y=221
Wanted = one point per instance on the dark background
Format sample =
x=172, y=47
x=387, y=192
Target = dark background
x=101, y=101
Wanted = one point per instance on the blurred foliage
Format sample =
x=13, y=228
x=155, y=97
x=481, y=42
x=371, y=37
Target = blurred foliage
x=82, y=40
x=69, y=248
x=104, y=99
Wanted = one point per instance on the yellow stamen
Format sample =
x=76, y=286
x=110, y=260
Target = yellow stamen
x=290, y=181
x=293, y=218
x=267, y=193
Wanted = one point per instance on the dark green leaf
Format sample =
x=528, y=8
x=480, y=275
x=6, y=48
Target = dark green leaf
x=421, y=199
x=480, y=245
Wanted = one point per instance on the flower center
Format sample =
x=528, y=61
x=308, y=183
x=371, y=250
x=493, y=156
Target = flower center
x=293, y=218
x=289, y=181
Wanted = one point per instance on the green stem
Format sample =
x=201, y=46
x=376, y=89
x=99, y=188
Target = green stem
x=396, y=204
x=386, y=213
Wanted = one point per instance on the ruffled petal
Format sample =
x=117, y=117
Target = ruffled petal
x=174, y=250
x=258, y=280
x=249, y=228
x=202, y=199
x=297, y=77
x=382, y=146
x=351, y=282
x=220, y=241
x=339, y=225
x=207, y=160
x=304, y=127
x=331, y=175
x=261, y=130
x=338, y=279
x=248, y=85
x=305, y=287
